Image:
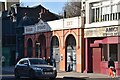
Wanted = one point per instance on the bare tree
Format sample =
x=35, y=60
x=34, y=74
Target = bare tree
x=72, y=9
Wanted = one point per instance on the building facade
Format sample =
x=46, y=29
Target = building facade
x=61, y=40
x=8, y=34
x=13, y=21
x=102, y=33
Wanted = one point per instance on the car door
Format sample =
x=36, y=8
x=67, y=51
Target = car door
x=26, y=68
x=23, y=68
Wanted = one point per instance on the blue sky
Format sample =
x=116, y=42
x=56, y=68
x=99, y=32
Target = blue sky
x=53, y=6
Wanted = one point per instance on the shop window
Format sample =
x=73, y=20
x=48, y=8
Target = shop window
x=113, y=51
x=104, y=55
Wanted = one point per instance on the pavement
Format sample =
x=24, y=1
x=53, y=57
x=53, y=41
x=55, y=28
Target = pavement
x=8, y=70
x=69, y=75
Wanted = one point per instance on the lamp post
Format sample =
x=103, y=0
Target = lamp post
x=38, y=44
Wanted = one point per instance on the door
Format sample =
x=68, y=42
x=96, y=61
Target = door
x=74, y=60
x=96, y=59
x=56, y=56
x=71, y=59
x=23, y=68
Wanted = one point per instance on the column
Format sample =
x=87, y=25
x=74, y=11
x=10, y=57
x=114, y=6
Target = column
x=34, y=49
x=34, y=52
x=95, y=15
x=86, y=56
x=110, y=10
x=100, y=13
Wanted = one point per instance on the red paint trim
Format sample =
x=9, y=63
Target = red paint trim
x=111, y=40
x=94, y=45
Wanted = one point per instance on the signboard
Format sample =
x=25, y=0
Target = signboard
x=29, y=29
x=66, y=23
x=72, y=23
x=41, y=26
x=102, y=32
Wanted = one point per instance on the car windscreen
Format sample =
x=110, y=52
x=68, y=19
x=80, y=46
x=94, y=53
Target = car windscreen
x=37, y=61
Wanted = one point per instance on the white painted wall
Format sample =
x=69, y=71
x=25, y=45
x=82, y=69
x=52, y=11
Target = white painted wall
x=102, y=24
x=67, y=23
x=108, y=10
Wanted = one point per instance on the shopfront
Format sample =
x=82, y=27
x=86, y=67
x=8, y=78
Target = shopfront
x=101, y=44
x=61, y=40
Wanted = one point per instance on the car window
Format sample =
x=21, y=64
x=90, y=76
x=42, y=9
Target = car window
x=22, y=62
x=37, y=61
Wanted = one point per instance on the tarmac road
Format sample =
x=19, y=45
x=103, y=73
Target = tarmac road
x=11, y=77
x=8, y=74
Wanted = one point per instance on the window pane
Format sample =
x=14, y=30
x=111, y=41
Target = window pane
x=113, y=52
x=104, y=56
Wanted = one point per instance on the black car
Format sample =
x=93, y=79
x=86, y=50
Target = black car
x=34, y=68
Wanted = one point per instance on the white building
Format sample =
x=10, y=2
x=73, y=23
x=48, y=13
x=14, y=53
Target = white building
x=102, y=33
x=102, y=12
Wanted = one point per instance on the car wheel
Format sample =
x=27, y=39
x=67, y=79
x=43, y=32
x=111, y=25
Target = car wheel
x=52, y=78
x=17, y=75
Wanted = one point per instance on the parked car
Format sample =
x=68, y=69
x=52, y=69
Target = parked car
x=34, y=68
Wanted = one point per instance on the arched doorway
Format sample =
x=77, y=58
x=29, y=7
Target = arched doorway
x=70, y=55
x=42, y=46
x=29, y=47
x=55, y=55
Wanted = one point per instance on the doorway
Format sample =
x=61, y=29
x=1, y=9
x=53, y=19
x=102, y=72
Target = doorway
x=29, y=48
x=55, y=55
x=96, y=59
x=70, y=59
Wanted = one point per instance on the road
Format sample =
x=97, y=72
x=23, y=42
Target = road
x=11, y=77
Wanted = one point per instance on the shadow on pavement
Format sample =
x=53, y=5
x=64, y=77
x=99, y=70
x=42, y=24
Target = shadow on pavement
x=65, y=78
x=104, y=79
x=74, y=78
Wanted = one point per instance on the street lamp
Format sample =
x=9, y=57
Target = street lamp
x=38, y=49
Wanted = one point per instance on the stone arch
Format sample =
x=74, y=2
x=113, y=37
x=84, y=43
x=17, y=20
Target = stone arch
x=55, y=54
x=42, y=46
x=68, y=33
x=57, y=35
x=70, y=53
